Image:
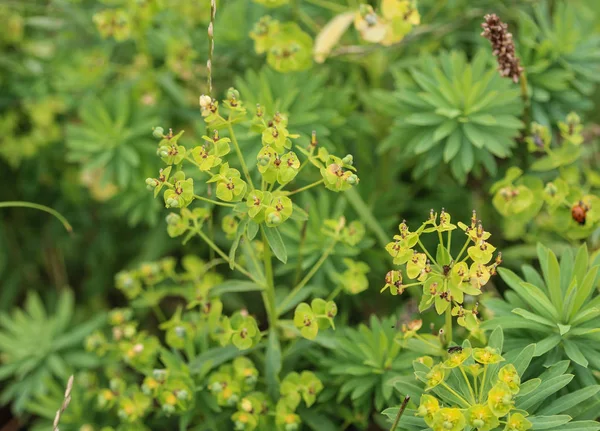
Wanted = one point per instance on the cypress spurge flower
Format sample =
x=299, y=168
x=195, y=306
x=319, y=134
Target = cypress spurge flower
x=446, y=278
x=481, y=418
x=448, y=419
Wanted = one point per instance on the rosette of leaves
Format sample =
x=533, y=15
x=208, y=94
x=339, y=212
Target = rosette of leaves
x=482, y=389
x=37, y=347
x=448, y=110
x=557, y=308
x=112, y=136
x=560, y=51
x=363, y=363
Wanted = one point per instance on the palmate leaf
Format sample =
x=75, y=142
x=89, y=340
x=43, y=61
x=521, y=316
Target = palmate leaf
x=451, y=111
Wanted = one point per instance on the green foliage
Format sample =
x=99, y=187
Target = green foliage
x=449, y=110
x=556, y=308
x=252, y=307
x=566, y=203
x=561, y=55
x=37, y=347
x=476, y=388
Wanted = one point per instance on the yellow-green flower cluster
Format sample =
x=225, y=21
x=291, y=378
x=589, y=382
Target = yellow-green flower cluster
x=446, y=278
x=482, y=404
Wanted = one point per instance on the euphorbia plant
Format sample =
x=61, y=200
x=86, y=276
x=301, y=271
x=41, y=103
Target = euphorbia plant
x=447, y=277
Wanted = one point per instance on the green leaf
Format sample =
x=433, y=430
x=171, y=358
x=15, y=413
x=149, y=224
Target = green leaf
x=230, y=286
x=574, y=353
x=529, y=386
x=252, y=229
x=276, y=243
x=573, y=399
x=578, y=426
x=496, y=340
x=452, y=145
x=533, y=317
x=273, y=364
x=547, y=344
x=241, y=229
x=475, y=135
x=546, y=388
x=552, y=278
x=545, y=422
x=522, y=361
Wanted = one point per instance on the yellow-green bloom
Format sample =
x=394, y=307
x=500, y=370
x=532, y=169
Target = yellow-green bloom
x=416, y=264
x=448, y=419
x=457, y=358
x=487, y=355
x=435, y=376
x=500, y=399
x=482, y=418
x=509, y=375
x=428, y=406
x=517, y=422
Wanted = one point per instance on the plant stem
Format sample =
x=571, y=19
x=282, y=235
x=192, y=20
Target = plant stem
x=366, y=215
x=44, y=208
x=307, y=278
x=400, y=412
x=462, y=370
x=301, y=189
x=300, y=247
x=211, y=43
x=485, y=368
x=453, y=392
x=449, y=325
x=223, y=204
x=269, y=294
x=239, y=153
x=449, y=243
x=221, y=253
x=335, y=293
x=427, y=253
x=463, y=249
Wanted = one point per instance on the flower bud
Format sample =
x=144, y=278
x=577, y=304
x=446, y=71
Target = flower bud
x=180, y=331
x=274, y=218
x=182, y=394
x=172, y=203
x=348, y=160
x=173, y=219
x=264, y=160
x=232, y=93
x=168, y=408
x=151, y=182
x=158, y=132
x=352, y=179
x=163, y=151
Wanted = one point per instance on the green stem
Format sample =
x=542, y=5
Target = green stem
x=307, y=278
x=453, y=392
x=301, y=189
x=44, y=208
x=269, y=294
x=250, y=251
x=239, y=153
x=335, y=293
x=485, y=368
x=462, y=370
x=400, y=412
x=300, y=247
x=221, y=253
x=159, y=314
x=366, y=215
x=431, y=259
x=223, y=204
x=463, y=249
x=449, y=325
x=449, y=243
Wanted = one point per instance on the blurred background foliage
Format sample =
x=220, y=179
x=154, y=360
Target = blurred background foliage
x=84, y=81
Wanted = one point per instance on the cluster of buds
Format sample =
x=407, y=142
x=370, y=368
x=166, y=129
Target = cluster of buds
x=503, y=46
x=446, y=279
